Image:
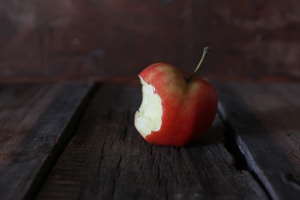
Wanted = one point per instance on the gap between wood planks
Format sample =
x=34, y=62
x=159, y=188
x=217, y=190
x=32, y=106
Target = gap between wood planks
x=70, y=129
x=230, y=143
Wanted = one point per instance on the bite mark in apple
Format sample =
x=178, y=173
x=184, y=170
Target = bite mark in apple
x=148, y=118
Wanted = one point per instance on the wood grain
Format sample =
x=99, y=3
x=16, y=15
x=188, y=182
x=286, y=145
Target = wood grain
x=36, y=122
x=107, y=159
x=80, y=39
x=265, y=120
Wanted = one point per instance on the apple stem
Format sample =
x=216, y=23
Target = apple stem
x=205, y=51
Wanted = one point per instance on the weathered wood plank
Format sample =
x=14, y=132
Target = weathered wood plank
x=107, y=159
x=35, y=124
x=265, y=119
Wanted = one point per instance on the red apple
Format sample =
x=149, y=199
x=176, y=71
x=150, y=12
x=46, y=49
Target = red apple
x=175, y=109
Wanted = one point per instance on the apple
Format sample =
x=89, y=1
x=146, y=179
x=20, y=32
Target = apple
x=176, y=109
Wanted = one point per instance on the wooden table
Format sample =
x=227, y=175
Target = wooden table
x=77, y=141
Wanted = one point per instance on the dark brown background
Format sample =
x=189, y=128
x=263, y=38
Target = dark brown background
x=89, y=39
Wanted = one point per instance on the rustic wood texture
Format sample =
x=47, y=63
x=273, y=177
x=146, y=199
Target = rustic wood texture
x=108, y=159
x=265, y=120
x=35, y=124
x=80, y=39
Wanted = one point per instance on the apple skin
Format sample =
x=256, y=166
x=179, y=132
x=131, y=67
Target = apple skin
x=188, y=107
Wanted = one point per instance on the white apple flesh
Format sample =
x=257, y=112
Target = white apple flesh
x=148, y=117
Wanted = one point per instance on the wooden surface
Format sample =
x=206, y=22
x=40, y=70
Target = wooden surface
x=264, y=120
x=80, y=39
x=250, y=152
x=111, y=161
x=36, y=122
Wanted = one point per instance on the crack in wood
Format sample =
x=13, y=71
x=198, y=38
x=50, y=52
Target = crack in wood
x=292, y=179
x=258, y=132
x=241, y=161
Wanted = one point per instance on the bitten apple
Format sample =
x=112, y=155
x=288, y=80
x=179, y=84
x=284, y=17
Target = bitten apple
x=176, y=109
